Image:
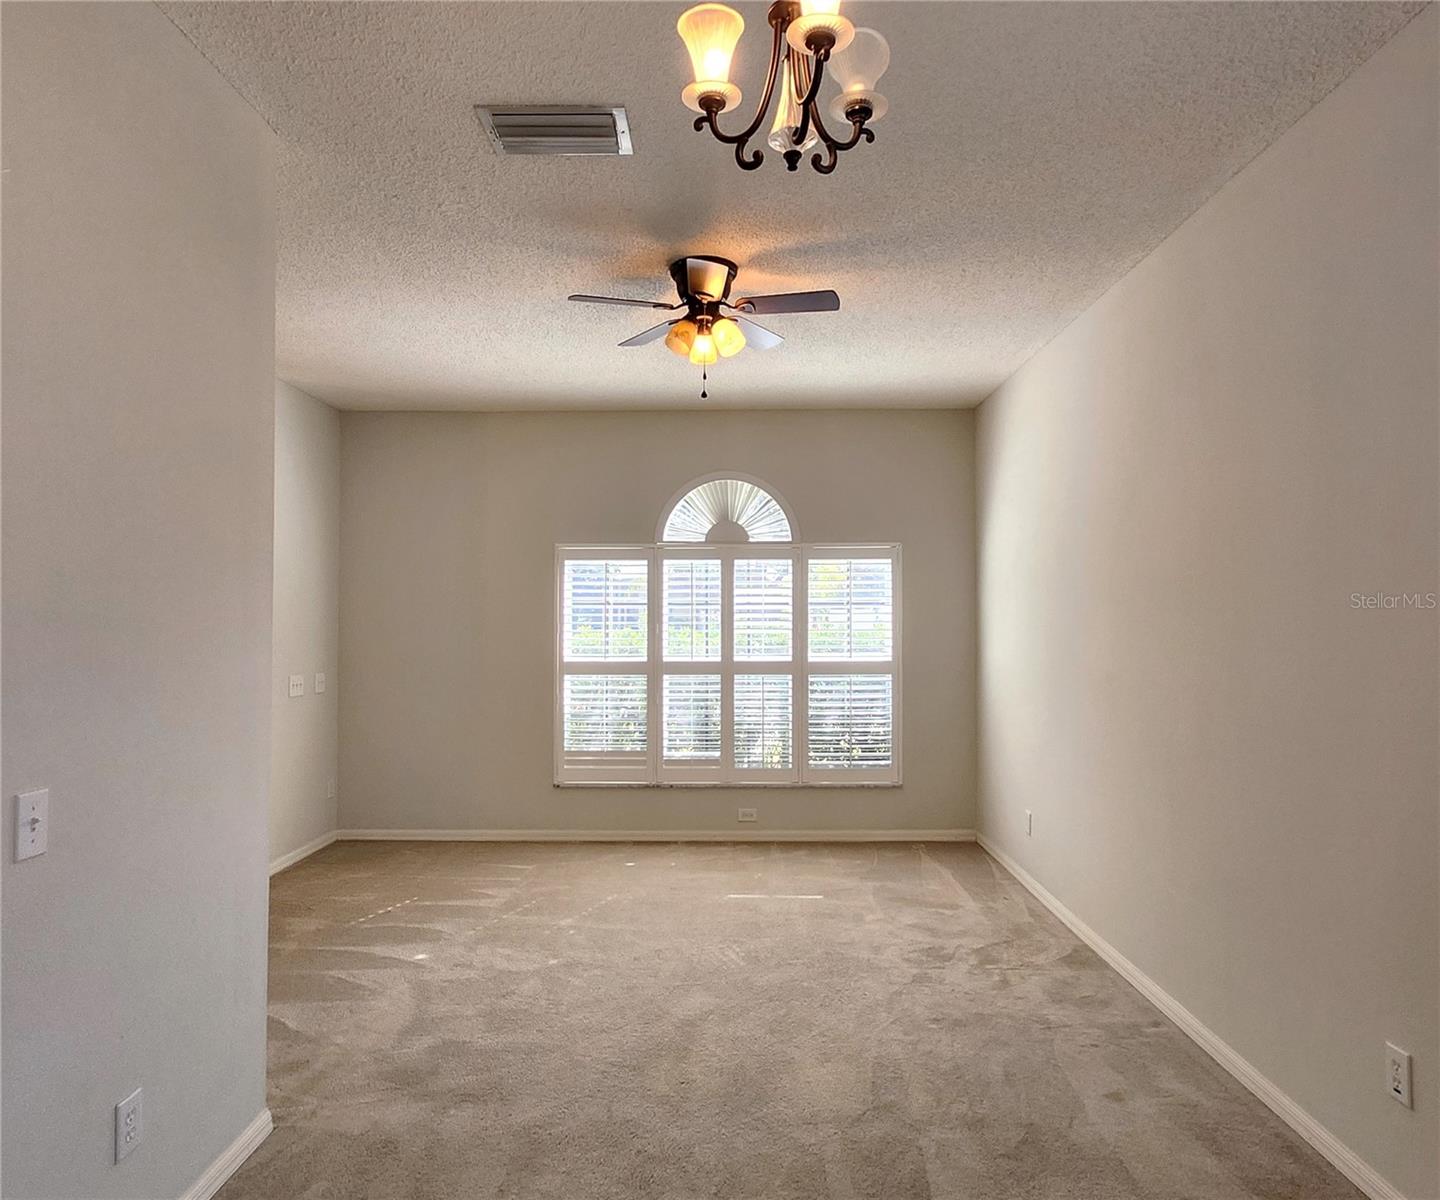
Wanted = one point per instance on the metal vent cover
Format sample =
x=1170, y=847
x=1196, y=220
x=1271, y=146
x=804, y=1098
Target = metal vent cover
x=556, y=128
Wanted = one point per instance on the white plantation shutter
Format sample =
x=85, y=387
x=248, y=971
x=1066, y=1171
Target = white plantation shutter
x=745, y=504
x=764, y=607
x=764, y=720
x=604, y=609
x=691, y=604
x=692, y=718
x=605, y=714
x=851, y=609
x=728, y=664
x=850, y=721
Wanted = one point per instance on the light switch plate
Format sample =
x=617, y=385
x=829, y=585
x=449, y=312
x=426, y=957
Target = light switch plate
x=32, y=823
x=319, y=682
x=297, y=686
x=127, y=1125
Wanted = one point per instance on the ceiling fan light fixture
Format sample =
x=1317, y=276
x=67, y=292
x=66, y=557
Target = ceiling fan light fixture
x=702, y=351
x=729, y=338
x=710, y=32
x=681, y=337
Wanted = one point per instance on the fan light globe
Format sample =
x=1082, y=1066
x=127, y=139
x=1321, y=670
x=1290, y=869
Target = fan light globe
x=681, y=337
x=857, y=71
x=728, y=336
x=702, y=352
x=788, y=115
x=710, y=32
x=820, y=16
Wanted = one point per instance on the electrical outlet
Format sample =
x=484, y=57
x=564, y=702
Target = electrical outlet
x=319, y=682
x=297, y=686
x=127, y=1125
x=1029, y=822
x=32, y=823
x=747, y=814
x=1397, y=1074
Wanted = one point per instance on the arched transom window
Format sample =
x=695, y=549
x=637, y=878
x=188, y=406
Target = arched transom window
x=726, y=510
x=728, y=652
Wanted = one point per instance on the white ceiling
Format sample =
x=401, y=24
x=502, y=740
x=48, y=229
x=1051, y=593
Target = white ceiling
x=1033, y=152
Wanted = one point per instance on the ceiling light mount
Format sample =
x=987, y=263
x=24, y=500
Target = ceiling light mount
x=807, y=35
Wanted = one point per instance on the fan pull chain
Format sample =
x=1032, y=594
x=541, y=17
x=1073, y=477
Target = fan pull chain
x=704, y=379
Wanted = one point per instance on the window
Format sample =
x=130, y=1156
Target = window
x=727, y=653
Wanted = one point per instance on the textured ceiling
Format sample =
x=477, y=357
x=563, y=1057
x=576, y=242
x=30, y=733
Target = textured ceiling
x=1033, y=152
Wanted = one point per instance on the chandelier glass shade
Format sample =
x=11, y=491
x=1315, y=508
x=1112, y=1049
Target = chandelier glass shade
x=807, y=36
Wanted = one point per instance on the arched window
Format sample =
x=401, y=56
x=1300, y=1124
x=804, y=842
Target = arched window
x=726, y=508
x=728, y=652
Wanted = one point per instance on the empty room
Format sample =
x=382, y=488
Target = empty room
x=815, y=600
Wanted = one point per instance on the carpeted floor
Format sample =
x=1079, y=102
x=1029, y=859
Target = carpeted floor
x=598, y=1022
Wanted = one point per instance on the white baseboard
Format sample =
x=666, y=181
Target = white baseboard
x=305, y=851
x=655, y=835
x=230, y=1159
x=1344, y=1159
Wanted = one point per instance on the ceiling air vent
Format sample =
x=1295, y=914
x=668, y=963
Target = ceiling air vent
x=555, y=128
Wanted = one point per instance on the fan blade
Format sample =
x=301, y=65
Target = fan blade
x=653, y=334
x=621, y=300
x=758, y=336
x=791, y=302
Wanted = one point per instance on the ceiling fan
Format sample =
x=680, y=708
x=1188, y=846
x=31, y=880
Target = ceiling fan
x=706, y=332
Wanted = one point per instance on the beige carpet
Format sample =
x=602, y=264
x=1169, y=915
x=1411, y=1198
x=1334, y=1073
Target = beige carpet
x=592, y=1022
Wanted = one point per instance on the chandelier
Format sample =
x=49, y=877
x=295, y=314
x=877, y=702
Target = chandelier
x=809, y=35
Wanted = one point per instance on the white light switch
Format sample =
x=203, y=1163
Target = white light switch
x=32, y=823
x=319, y=682
x=297, y=686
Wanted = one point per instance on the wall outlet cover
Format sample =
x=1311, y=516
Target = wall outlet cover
x=319, y=682
x=1397, y=1074
x=747, y=814
x=127, y=1126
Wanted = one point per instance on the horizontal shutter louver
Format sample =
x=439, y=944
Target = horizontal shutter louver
x=851, y=609
x=850, y=721
x=764, y=609
x=604, y=714
x=605, y=609
x=691, y=604
x=691, y=718
x=764, y=716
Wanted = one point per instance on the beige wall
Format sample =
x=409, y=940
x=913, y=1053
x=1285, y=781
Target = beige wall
x=1232, y=769
x=304, y=731
x=138, y=382
x=448, y=529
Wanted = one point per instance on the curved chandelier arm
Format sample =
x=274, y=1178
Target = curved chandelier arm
x=807, y=104
x=831, y=159
x=739, y=140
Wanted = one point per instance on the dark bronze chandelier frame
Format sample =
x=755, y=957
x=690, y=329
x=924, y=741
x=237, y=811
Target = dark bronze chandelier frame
x=820, y=43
